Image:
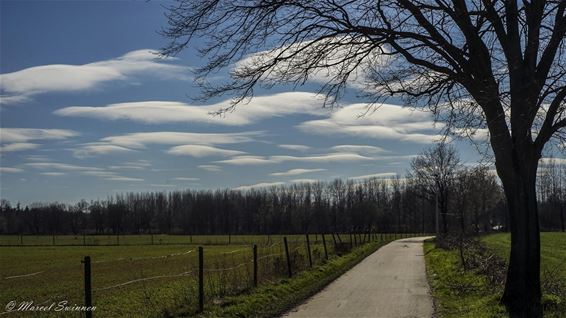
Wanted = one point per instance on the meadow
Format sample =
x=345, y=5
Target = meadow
x=553, y=252
x=142, y=239
x=147, y=280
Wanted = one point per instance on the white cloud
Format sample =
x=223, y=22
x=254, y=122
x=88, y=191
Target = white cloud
x=331, y=157
x=295, y=147
x=258, y=185
x=22, y=135
x=382, y=122
x=305, y=180
x=549, y=161
x=18, y=86
x=247, y=160
x=186, y=179
x=332, y=63
x=211, y=168
x=64, y=168
x=158, y=112
x=37, y=158
x=127, y=179
x=191, y=144
x=61, y=166
x=19, y=146
x=96, y=148
x=294, y=172
x=359, y=149
x=140, y=140
x=477, y=135
x=10, y=170
x=200, y=151
x=53, y=174
x=13, y=100
x=99, y=173
x=132, y=165
x=383, y=175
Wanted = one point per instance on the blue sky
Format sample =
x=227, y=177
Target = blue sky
x=88, y=110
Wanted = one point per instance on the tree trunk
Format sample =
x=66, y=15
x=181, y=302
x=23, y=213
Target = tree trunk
x=522, y=295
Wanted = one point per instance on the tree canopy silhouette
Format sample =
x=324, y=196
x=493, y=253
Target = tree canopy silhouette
x=434, y=172
x=480, y=65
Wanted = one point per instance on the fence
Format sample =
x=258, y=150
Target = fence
x=133, y=239
x=146, y=239
x=198, y=276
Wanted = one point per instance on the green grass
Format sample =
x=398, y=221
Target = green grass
x=466, y=293
x=144, y=239
x=457, y=292
x=553, y=250
x=156, y=286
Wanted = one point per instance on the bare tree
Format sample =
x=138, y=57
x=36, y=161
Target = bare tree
x=477, y=64
x=433, y=172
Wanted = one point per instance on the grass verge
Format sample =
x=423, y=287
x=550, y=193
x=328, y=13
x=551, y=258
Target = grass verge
x=460, y=292
x=273, y=299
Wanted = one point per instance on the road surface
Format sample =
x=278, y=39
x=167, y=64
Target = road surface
x=390, y=283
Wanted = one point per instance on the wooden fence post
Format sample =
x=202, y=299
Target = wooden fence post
x=309, y=250
x=255, y=265
x=88, y=287
x=324, y=244
x=288, y=258
x=200, y=279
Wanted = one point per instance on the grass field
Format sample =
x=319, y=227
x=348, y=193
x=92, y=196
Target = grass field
x=553, y=251
x=147, y=280
x=466, y=293
x=145, y=239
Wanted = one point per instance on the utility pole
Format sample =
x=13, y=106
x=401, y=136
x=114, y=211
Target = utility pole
x=436, y=213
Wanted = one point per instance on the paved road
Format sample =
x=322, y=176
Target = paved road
x=390, y=283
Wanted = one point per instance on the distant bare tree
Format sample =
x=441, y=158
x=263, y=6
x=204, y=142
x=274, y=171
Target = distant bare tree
x=476, y=64
x=433, y=171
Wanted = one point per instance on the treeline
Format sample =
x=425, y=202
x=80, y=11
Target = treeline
x=385, y=205
x=551, y=190
x=468, y=200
